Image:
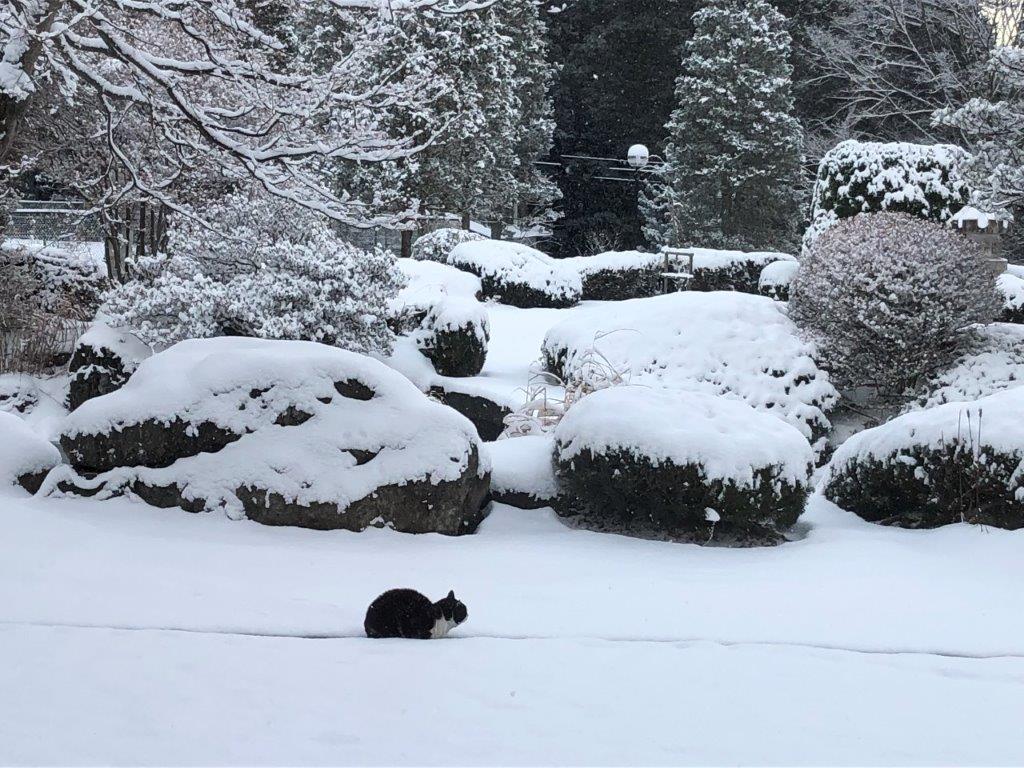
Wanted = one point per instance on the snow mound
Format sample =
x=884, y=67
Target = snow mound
x=1011, y=287
x=524, y=472
x=994, y=362
x=430, y=282
x=723, y=435
x=518, y=275
x=285, y=432
x=775, y=279
x=23, y=453
x=716, y=343
x=997, y=415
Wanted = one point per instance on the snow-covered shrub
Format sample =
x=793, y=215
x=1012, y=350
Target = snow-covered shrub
x=618, y=275
x=958, y=462
x=427, y=284
x=32, y=336
x=103, y=360
x=269, y=270
x=25, y=457
x=890, y=298
x=775, y=279
x=1011, y=288
x=438, y=245
x=284, y=433
x=684, y=463
x=516, y=274
x=708, y=342
x=69, y=282
x=731, y=270
x=454, y=336
x=868, y=177
x=991, y=362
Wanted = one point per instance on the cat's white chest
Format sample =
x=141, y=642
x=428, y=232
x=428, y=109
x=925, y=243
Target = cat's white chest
x=441, y=628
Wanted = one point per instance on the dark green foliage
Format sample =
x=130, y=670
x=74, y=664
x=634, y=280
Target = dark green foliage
x=740, y=276
x=778, y=292
x=523, y=296
x=487, y=416
x=622, y=284
x=460, y=352
x=619, y=60
x=621, y=488
x=925, y=487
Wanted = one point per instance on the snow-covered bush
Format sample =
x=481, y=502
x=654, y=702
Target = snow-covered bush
x=869, y=177
x=1011, y=287
x=427, y=284
x=516, y=274
x=958, y=462
x=454, y=336
x=268, y=270
x=775, y=279
x=438, y=245
x=32, y=336
x=103, y=360
x=284, y=433
x=25, y=457
x=890, y=298
x=684, y=463
x=708, y=342
x=618, y=275
x=731, y=270
x=991, y=362
x=68, y=281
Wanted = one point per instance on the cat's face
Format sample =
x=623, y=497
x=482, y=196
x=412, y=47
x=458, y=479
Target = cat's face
x=452, y=610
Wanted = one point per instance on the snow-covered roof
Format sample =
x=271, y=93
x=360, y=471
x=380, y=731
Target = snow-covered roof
x=981, y=218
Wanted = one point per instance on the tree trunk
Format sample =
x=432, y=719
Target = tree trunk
x=406, y=243
x=465, y=221
x=497, y=229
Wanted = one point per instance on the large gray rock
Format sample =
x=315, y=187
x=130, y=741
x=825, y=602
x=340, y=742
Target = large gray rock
x=284, y=433
x=101, y=363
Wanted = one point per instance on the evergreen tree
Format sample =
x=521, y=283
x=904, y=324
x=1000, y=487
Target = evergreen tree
x=489, y=107
x=618, y=60
x=734, y=152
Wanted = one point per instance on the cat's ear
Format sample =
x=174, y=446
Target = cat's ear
x=451, y=595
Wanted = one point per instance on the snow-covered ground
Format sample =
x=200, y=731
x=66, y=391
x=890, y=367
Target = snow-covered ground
x=137, y=635
x=134, y=635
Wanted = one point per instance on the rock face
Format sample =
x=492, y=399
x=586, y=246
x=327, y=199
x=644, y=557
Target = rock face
x=487, y=415
x=25, y=458
x=101, y=363
x=284, y=433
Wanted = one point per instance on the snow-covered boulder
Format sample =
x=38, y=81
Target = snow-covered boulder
x=715, y=270
x=1011, y=288
x=438, y=245
x=25, y=457
x=453, y=335
x=476, y=403
x=958, y=462
x=993, y=361
x=682, y=462
x=775, y=279
x=285, y=433
x=719, y=342
x=515, y=274
x=618, y=275
x=523, y=473
x=102, y=361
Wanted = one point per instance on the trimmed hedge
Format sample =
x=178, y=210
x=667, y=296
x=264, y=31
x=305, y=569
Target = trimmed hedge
x=924, y=487
x=623, y=489
x=454, y=335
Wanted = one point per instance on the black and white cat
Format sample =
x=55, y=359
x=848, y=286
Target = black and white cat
x=407, y=613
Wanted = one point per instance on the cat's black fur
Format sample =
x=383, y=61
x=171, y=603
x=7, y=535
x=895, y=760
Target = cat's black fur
x=406, y=613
